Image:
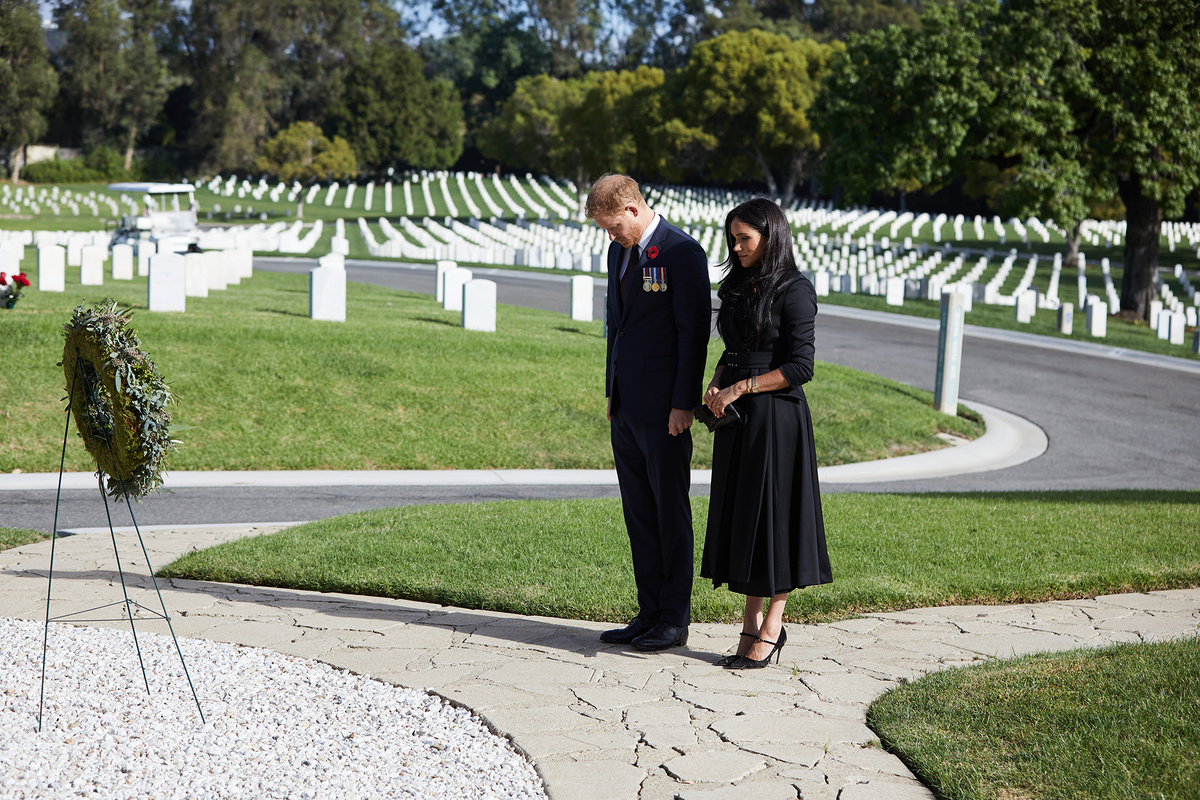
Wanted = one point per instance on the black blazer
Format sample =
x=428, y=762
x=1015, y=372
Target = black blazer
x=658, y=341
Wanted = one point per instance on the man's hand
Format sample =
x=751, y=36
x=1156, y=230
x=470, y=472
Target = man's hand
x=679, y=422
x=608, y=408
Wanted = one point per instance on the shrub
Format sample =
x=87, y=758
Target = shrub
x=103, y=164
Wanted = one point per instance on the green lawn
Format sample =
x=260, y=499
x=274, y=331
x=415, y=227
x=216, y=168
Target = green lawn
x=400, y=385
x=15, y=537
x=571, y=558
x=1087, y=725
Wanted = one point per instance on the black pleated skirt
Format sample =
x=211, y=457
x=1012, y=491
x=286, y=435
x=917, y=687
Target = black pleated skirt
x=766, y=534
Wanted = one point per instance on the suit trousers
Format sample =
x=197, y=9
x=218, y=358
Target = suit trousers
x=654, y=471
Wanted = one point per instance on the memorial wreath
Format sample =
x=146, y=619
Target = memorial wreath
x=118, y=399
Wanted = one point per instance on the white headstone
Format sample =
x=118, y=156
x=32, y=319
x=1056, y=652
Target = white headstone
x=245, y=260
x=167, y=285
x=1177, y=323
x=122, y=262
x=1026, y=305
x=479, y=305
x=9, y=261
x=583, y=289
x=195, y=274
x=327, y=294
x=233, y=270
x=75, y=245
x=1156, y=308
x=214, y=270
x=340, y=245
x=1162, y=324
x=335, y=260
x=440, y=286
x=1066, y=321
x=1097, y=319
x=895, y=291
x=144, y=251
x=52, y=269
x=455, y=280
x=91, y=265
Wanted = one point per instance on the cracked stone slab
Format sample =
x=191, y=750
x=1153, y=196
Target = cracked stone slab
x=803, y=729
x=750, y=790
x=725, y=766
x=612, y=697
x=592, y=780
x=848, y=687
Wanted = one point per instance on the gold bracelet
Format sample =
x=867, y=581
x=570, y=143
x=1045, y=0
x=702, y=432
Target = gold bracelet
x=754, y=384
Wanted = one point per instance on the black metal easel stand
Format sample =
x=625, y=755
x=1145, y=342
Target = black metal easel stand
x=126, y=604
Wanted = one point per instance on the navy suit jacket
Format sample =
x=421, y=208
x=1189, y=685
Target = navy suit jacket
x=658, y=341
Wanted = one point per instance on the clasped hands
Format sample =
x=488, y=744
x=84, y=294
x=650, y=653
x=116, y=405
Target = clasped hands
x=716, y=399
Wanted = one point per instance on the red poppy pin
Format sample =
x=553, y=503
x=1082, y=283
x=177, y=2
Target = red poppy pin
x=652, y=251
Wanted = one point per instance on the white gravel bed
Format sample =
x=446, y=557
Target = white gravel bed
x=276, y=726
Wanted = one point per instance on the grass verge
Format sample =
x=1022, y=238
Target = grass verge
x=400, y=385
x=571, y=558
x=1086, y=725
x=15, y=537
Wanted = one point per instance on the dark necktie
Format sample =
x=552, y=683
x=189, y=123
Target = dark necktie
x=627, y=276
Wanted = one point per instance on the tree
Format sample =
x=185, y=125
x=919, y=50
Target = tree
x=1078, y=99
x=392, y=114
x=899, y=103
x=484, y=60
x=301, y=152
x=27, y=81
x=525, y=133
x=751, y=92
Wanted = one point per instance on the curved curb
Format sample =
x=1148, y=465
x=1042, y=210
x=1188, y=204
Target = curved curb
x=1009, y=440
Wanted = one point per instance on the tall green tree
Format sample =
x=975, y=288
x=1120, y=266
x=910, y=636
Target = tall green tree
x=899, y=104
x=393, y=115
x=95, y=71
x=484, y=59
x=1078, y=99
x=27, y=80
x=526, y=131
x=751, y=92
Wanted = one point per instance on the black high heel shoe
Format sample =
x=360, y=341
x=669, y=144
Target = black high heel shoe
x=745, y=662
x=727, y=660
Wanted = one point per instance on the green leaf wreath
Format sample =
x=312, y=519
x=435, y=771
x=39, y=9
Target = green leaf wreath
x=120, y=402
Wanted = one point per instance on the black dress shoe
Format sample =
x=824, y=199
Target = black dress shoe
x=662, y=636
x=636, y=627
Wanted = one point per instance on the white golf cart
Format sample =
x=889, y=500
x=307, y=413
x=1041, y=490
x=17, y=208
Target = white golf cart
x=169, y=219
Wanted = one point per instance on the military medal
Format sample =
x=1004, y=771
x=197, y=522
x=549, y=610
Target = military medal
x=647, y=280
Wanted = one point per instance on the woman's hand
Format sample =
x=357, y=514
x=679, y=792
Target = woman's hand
x=717, y=399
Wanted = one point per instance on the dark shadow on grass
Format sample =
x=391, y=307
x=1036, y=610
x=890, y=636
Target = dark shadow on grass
x=446, y=322
x=284, y=313
x=572, y=636
x=1094, y=496
x=565, y=329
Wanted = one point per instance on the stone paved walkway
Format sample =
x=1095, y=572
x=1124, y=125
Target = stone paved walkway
x=600, y=721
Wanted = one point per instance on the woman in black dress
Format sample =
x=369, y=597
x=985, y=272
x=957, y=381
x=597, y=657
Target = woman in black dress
x=765, y=534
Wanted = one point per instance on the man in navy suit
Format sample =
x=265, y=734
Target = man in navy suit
x=657, y=319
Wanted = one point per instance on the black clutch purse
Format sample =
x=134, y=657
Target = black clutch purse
x=733, y=416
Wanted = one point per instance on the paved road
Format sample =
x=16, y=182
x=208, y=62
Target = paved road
x=1113, y=419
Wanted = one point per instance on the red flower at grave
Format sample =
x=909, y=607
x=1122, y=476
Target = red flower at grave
x=21, y=279
x=3, y=279
x=652, y=251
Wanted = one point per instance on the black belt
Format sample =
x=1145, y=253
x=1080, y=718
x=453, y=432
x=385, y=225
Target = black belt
x=747, y=359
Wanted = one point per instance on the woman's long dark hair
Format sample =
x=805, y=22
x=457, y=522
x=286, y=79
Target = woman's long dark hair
x=750, y=291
